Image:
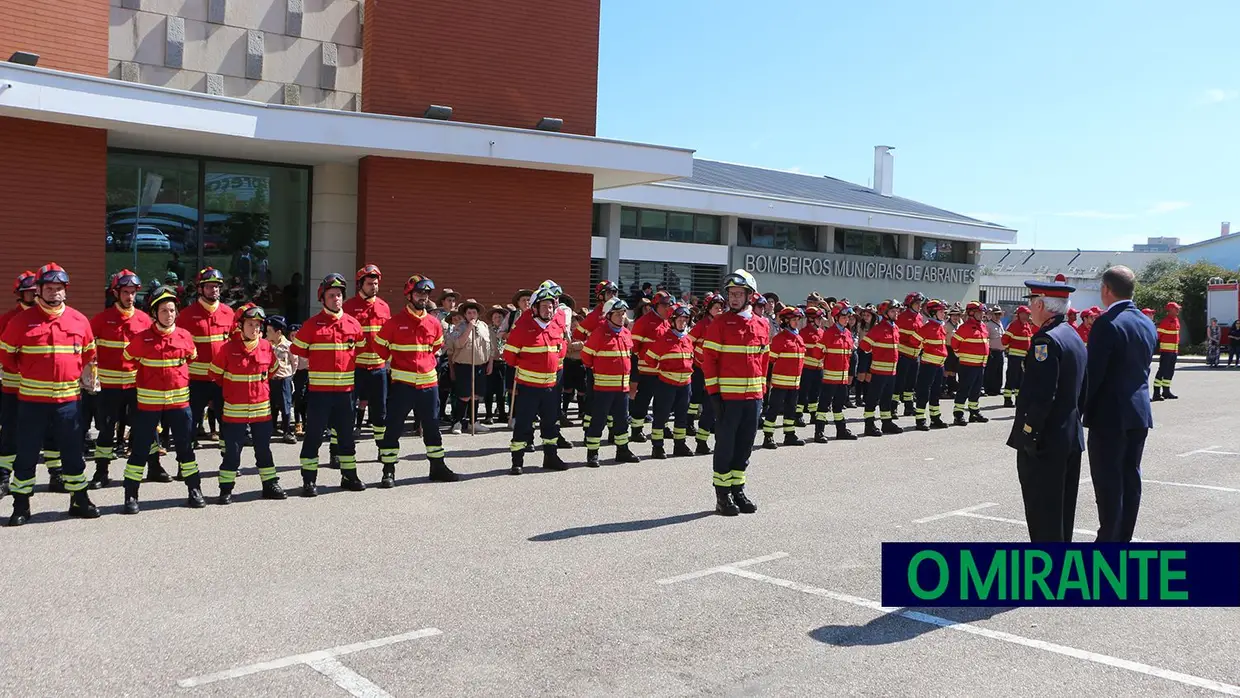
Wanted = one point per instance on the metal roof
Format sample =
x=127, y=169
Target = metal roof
x=1083, y=264
x=724, y=176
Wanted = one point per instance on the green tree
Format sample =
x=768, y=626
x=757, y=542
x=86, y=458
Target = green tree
x=1167, y=280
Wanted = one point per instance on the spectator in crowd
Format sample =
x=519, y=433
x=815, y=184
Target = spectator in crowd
x=1214, y=340
x=1233, y=344
x=993, y=380
x=447, y=303
x=292, y=299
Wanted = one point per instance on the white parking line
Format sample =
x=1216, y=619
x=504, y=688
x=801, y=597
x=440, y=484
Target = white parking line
x=1064, y=650
x=309, y=658
x=957, y=512
x=1018, y=522
x=346, y=678
x=714, y=570
x=1210, y=450
x=1216, y=488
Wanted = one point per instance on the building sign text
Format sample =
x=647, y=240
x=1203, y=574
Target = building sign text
x=892, y=269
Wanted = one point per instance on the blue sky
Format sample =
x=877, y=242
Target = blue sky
x=1088, y=124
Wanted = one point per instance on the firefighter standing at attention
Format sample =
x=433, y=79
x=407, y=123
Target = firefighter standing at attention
x=835, y=346
x=932, y=338
x=1016, y=341
x=880, y=352
x=534, y=349
x=607, y=354
x=811, y=375
x=787, y=360
x=712, y=307
x=583, y=330
x=906, y=372
x=25, y=289
x=672, y=354
x=209, y=322
x=646, y=329
x=971, y=342
x=370, y=378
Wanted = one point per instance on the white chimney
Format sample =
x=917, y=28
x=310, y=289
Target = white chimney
x=1226, y=229
x=882, y=169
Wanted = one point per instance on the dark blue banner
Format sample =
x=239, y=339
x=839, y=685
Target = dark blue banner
x=1061, y=574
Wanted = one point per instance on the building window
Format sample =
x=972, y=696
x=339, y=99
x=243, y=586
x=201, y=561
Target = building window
x=676, y=279
x=777, y=236
x=934, y=250
x=669, y=226
x=596, y=229
x=168, y=215
x=866, y=243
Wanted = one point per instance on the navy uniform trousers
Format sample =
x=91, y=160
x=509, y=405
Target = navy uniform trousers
x=906, y=378
x=671, y=401
x=929, y=389
x=144, y=445
x=613, y=404
x=38, y=422
x=533, y=403
x=1049, y=487
x=371, y=385
x=737, y=427
x=880, y=396
x=424, y=403
x=328, y=409
x=1115, y=468
x=969, y=389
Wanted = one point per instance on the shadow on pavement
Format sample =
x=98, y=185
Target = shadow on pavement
x=891, y=628
x=620, y=527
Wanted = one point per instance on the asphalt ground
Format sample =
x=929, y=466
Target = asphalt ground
x=550, y=583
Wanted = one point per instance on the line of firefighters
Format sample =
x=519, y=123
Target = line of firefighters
x=725, y=374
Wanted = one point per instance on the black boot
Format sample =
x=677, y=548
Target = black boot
x=440, y=472
x=910, y=409
x=55, y=484
x=1157, y=395
x=518, y=462
x=4, y=483
x=691, y=430
x=636, y=435
x=552, y=460
x=21, y=510
x=842, y=433
x=155, y=472
x=959, y=420
x=273, y=490
x=922, y=426
x=801, y=420
x=768, y=441
x=820, y=435
x=592, y=458
x=702, y=448
x=724, y=505
x=131, y=497
x=1008, y=402
x=334, y=462
x=195, y=499
x=936, y=422
x=791, y=439
x=101, y=479
x=975, y=416
x=309, y=484
x=80, y=506
x=350, y=481
x=743, y=503
x=624, y=454
x=680, y=449
x=225, y=495
x=871, y=429
x=1167, y=394
x=890, y=427
x=563, y=443
x=388, y=480
x=656, y=451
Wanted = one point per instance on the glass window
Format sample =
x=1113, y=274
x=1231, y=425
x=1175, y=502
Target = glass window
x=596, y=229
x=777, y=236
x=680, y=227
x=654, y=225
x=935, y=250
x=706, y=229
x=669, y=226
x=628, y=223
x=866, y=243
x=677, y=279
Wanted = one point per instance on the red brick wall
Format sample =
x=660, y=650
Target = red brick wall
x=502, y=62
x=482, y=231
x=67, y=34
x=53, y=181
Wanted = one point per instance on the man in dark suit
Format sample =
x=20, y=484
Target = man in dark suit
x=1046, y=431
x=1117, y=404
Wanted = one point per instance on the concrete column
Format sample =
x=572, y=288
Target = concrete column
x=729, y=233
x=286, y=224
x=609, y=224
x=826, y=238
x=905, y=246
x=333, y=222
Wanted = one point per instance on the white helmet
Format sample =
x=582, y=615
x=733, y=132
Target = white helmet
x=740, y=278
x=613, y=305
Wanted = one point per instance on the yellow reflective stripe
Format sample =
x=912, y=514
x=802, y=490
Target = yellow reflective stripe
x=934, y=342
x=971, y=360
x=779, y=381
x=298, y=342
x=545, y=349
x=839, y=351
x=371, y=328
x=737, y=348
x=793, y=355
x=1166, y=331
x=328, y=346
x=262, y=409
x=50, y=349
x=933, y=359
x=882, y=365
x=908, y=351
x=200, y=368
x=882, y=345
x=619, y=381
x=162, y=363
x=616, y=354
x=1168, y=346
x=210, y=338
x=906, y=331
x=245, y=377
x=415, y=378
x=1017, y=353
x=639, y=338
x=331, y=377
x=534, y=376
x=409, y=347
x=11, y=379
x=716, y=346
x=370, y=359
x=836, y=375
x=811, y=362
x=111, y=343
x=752, y=380
x=110, y=376
x=972, y=340
x=711, y=381
x=7, y=347
x=147, y=396
x=677, y=377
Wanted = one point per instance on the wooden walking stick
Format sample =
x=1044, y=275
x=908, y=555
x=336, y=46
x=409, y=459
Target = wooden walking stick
x=473, y=379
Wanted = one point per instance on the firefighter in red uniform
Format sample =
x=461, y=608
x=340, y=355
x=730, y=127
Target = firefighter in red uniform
x=49, y=345
x=646, y=329
x=734, y=361
x=811, y=375
x=583, y=330
x=242, y=366
x=114, y=329
x=412, y=340
x=329, y=341
x=1147, y=312
x=162, y=353
x=908, y=322
x=607, y=355
x=209, y=322
x=932, y=339
x=25, y=290
x=370, y=378
x=534, y=350
x=712, y=307
x=1016, y=341
x=879, y=357
x=971, y=342
x=672, y=355
x=835, y=347
x=1168, y=352
x=787, y=361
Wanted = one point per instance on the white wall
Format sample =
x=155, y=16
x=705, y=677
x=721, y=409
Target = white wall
x=333, y=222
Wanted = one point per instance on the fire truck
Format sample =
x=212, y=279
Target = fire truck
x=1223, y=302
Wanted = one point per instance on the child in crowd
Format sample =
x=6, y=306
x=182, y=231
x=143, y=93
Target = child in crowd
x=281, y=378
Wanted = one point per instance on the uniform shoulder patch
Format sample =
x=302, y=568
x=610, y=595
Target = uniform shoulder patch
x=1040, y=352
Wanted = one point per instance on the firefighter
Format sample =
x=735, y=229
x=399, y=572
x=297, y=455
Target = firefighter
x=712, y=306
x=1016, y=342
x=786, y=362
x=1168, y=352
x=811, y=375
x=971, y=342
x=583, y=330
x=835, y=347
x=49, y=345
x=25, y=289
x=734, y=361
x=607, y=354
x=114, y=329
x=932, y=340
x=908, y=322
x=535, y=347
x=880, y=354
x=412, y=340
x=646, y=329
x=242, y=367
x=370, y=378
x=209, y=322
x=163, y=354
x=329, y=341
x=671, y=354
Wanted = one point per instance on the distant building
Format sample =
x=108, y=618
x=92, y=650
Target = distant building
x=1158, y=245
x=1004, y=272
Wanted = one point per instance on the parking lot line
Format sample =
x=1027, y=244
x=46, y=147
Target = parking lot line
x=948, y=624
x=1210, y=450
x=957, y=512
x=1018, y=522
x=721, y=568
x=346, y=678
x=1215, y=488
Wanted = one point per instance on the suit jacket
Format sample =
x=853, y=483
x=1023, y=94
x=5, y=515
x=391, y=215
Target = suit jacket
x=1121, y=346
x=1048, y=417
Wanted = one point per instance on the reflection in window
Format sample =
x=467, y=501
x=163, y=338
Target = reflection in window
x=866, y=243
x=669, y=226
x=935, y=250
x=628, y=223
x=777, y=236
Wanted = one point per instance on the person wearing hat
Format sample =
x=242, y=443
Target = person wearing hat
x=603, y=291
x=879, y=359
x=971, y=342
x=1168, y=351
x=787, y=361
x=712, y=307
x=534, y=349
x=447, y=303
x=1087, y=324
x=43, y=344
x=909, y=321
x=835, y=345
x=671, y=353
x=646, y=329
x=992, y=381
x=209, y=322
x=495, y=398
x=1046, y=430
x=370, y=378
x=811, y=374
x=932, y=337
x=280, y=381
x=607, y=354
x=1072, y=317
x=519, y=307
x=469, y=353
x=951, y=367
x=1149, y=313
x=25, y=289
x=1016, y=341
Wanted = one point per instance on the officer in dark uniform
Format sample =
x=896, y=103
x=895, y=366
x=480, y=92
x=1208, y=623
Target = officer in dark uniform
x=1047, y=432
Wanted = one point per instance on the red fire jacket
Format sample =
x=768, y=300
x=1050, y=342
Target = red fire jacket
x=372, y=314
x=163, y=367
x=1082, y=330
x=1017, y=338
x=114, y=330
x=881, y=342
x=735, y=357
x=698, y=332
x=909, y=322
x=671, y=355
x=646, y=329
x=242, y=372
x=210, y=328
x=330, y=343
x=11, y=381
x=48, y=352
x=787, y=359
x=584, y=329
x=812, y=334
x=608, y=353
x=535, y=351
x=836, y=347
x=1169, y=335
x=932, y=338
x=410, y=340
x=971, y=342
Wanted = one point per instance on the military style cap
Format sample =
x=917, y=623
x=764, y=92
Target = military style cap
x=1058, y=288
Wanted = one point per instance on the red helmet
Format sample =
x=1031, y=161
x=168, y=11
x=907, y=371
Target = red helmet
x=712, y=298
x=603, y=287
x=973, y=306
x=757, y=299
x=332, y=280
x=209, y=275
x=1071, y=312
x=680, y=309
x=934, y=306
x=891, y=304
x=124, y=278
x=248, y=311
x=841, y=308
x=1148, y=311
x=1172, y=306
x=368, y=270
x=1025, y=309
x=662, y=298
x=417, y=282
x=53, y=273
x=813, y=312
x=25, y=282
x=914, y=297
x=791, y=313
x=1096, y=311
